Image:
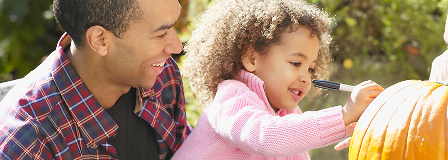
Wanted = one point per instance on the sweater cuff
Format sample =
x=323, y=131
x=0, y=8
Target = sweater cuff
x=332, y=125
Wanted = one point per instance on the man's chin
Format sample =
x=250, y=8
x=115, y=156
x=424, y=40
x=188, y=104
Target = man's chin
x=148, y=85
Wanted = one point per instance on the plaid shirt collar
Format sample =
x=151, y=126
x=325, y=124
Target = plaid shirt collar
x=95, y=125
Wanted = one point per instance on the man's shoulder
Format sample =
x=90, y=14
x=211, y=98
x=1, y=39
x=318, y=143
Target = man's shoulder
x=33, y=94
x=20, y=109
x=18, y=134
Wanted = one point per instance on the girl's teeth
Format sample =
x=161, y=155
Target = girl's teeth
x=295, y=92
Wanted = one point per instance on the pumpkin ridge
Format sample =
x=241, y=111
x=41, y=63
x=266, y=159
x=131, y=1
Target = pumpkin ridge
x=361, y=137
x=408, y=120
x=377, y=103
x=395, y=131
x=359, y=131
x=428, y=123
x=379, y=123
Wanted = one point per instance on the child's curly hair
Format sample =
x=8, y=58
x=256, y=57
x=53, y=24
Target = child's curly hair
x=213, y=54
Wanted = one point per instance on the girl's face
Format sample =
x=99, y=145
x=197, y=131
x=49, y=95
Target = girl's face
x=286, y=68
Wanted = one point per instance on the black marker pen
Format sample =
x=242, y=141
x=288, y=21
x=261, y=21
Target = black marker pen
x=332, y=85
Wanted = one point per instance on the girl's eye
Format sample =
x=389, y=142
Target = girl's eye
x=311, y=70
x=296, y=64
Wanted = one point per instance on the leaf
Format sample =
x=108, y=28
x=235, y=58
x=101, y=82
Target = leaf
x=351, y=22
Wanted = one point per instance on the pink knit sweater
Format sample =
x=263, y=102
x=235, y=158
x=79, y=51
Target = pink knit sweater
x=240, y=124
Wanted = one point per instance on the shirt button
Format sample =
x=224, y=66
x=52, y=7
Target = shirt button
x=152, y=94
x=91, y=145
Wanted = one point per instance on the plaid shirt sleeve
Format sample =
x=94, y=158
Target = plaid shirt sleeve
x=24, y=139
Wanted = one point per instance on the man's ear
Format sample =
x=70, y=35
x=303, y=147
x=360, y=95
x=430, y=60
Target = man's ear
x=249, y=59
x=97, y=38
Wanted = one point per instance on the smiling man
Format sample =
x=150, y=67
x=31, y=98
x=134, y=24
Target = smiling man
x=109, y=90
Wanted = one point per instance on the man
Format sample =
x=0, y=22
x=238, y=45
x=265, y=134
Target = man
x=109, y=90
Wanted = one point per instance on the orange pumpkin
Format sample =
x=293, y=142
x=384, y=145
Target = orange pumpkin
x=406, y=121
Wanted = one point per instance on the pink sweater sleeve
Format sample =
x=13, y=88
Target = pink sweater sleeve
x=240, y=118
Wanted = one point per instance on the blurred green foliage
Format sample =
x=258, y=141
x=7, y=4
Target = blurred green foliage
x=28, y=32
x=386, y=41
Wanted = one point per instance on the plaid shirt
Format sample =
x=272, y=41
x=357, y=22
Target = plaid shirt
x=51, y=114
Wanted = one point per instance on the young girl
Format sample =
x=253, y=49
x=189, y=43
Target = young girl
x=252, y=61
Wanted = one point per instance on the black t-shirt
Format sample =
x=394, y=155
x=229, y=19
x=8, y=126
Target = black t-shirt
x=135, y=138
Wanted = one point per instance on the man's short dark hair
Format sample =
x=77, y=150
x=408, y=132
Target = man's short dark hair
x=77, y=16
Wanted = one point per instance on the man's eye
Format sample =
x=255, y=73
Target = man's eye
x=311, y=70
x=163, y=35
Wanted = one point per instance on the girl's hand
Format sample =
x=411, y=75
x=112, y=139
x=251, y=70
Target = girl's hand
x=363, y=94
x=346, y=143
x=343, y=144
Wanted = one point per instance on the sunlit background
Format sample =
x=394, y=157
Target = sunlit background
x=386, y=41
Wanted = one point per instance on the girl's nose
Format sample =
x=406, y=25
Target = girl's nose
x=304, y=79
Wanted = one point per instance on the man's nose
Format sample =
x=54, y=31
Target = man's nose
x=174, y=45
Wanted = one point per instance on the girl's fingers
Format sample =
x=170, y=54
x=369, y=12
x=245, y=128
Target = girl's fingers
x=343, y=144
x=371, y=85
x=374, y=93
x=374, y=86
x=350, y=128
